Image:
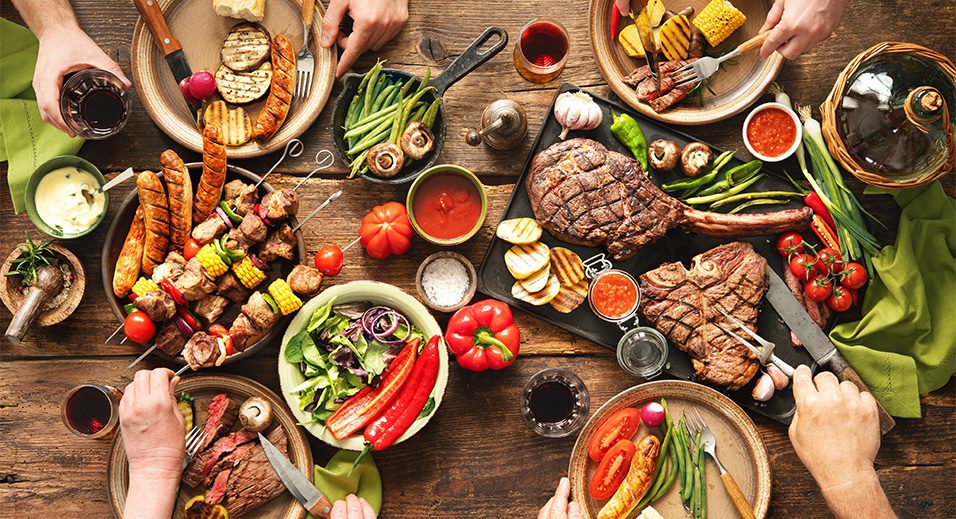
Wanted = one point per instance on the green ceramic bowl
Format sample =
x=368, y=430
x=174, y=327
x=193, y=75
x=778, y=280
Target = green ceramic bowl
x=48, y=166
x=457, y=170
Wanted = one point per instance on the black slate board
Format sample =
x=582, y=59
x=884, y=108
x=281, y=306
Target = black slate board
x=495, y=280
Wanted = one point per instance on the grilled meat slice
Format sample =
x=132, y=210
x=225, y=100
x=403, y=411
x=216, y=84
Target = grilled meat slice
x=157, y=305
x=254, y=482
x=209, y=229
x=647, y=90
x=305, y=281
x=221, y=415
x=280, y=244
x=193, y=282
x=170, y=340
x=232, y=289
x=659, y=104
x=224, y=467
x=251, y=231
x=259, y=312
x=281, y=204
x=244, y=333
x=682, y=303
x=202, y=464
x=171, y=268
x=211, y=307
x=240, y=196
x=201, y=351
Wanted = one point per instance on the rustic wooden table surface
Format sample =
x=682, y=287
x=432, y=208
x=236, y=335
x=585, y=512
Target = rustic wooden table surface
x=476, y=458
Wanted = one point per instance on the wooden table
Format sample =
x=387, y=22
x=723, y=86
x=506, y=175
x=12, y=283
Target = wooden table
x=477, y=458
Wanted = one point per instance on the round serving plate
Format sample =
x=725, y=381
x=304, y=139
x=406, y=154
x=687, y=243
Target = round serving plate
x=203, y=388
x=375, y=293
x=739, y=448
x=119, y=227
x=738, y=83
x=201, y=32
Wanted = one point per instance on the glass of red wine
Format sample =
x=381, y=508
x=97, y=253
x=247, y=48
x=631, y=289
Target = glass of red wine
x=555, y=403
x=541, y=50
x=94, y=104
x=91, y=410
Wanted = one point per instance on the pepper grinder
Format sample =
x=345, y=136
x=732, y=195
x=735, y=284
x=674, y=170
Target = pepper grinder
x=503, y=125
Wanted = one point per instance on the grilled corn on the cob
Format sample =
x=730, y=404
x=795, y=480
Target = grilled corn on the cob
x=144, y=285
x=249, y=274
x=718, y=20
x=211, y=261
x=282, y=293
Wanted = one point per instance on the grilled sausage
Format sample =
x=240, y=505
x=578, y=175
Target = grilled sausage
x=209, y=190
x=180, y=188
x=636, y=483
x=131, y=256
x=280, y=93
x=152, y=198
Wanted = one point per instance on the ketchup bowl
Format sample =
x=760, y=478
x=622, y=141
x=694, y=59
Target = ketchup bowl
x=772, y=132
x=447, y=205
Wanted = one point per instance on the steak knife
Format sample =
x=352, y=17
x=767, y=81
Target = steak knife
x=814, y=340
x=170, y=47
x=641, y=16
x=298, y=485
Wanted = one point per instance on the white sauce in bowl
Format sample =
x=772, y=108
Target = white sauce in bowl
x=60, y=202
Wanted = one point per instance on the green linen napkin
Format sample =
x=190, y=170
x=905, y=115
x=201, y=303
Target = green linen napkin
x=337, y=479
x=905, y=344
x=25, y=140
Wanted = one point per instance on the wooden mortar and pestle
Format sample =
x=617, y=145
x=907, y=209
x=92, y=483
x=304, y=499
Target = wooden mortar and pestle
x=48, y=284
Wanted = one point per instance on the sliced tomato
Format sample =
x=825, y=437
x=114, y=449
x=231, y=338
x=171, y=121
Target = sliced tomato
x=619, y=426
x=612, y=470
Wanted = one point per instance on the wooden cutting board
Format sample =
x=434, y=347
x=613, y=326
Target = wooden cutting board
x=201, y=32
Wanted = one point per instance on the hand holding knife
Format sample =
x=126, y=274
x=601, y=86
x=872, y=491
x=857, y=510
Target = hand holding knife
x=298, y=485
x=645, y=29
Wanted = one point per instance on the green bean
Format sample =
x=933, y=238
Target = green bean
x=373, y=138
x=702, y=466
x=671, y=477
x=407, y=86
x=383, y=112
x=372, y=77
x=366, y=127
x=720, y=196
x=432, y=113
x=682, y=461
x=351, y=114
x=746, y=172
x=656, y=484
x=417, y=116
x=401, y=117
x=687, y=486
x=382, y=96
x=424, y=83
x=392, y=98
x=759, y=201
x=697, y=481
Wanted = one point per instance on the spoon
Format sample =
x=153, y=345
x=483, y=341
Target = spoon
x=118, y=179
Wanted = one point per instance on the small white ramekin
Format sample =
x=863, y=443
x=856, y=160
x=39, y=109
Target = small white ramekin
x=793, y=147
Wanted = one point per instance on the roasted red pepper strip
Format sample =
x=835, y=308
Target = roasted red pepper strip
x=174, y=292
x=405, y=408
x=615, y=21
x=190, y=319
x=816, y=203
x=483, y=336
x=365, y=405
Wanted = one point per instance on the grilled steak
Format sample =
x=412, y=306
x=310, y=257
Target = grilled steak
x=222, y=415
x=203, y=463
x=680, y=303
x=170, y=340
x=584, y=194
x=254, y=482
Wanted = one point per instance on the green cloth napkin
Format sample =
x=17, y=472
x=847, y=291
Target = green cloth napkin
x=905, y=344
x=337, y=479
x=25, y=140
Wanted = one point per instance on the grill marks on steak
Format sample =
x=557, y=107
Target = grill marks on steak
x=253, y=481
x=681, y=303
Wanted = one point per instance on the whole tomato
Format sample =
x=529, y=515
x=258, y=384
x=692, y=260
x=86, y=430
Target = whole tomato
x=801, y=265
x=329, y=260
x=829, y=261
x=853, y=275
x=138, y=327
x=191, y=248
x=790, y=243
x=819, y=288
x=841, y=300
x=386, y=230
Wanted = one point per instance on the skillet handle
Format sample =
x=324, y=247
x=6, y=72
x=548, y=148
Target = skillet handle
x=470, y=59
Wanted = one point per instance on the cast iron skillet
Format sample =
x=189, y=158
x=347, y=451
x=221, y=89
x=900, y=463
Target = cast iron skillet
x=116, y=235
x=466, y=62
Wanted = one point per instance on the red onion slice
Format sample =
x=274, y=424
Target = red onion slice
x=225, y=218
x=258, y=262
x=184, y=327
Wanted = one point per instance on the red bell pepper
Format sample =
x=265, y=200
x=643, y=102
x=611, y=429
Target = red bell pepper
x=391, y=423
x=174, y=292
x=365, y=405
x=483, y=336
x=220, y=331
x=386, y=230
x=190, y=319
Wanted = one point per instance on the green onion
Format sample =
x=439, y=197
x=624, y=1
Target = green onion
x=759, y=201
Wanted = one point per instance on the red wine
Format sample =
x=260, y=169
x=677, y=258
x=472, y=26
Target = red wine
x=88, y=410
x=102, y=109
x=94, y=103
x=551, y=402
x=543, y=44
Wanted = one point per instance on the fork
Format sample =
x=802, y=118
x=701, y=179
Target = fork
x=304, y=61
x=764, y=353
x=697, y=425
x=705, y=67
x=194, y=439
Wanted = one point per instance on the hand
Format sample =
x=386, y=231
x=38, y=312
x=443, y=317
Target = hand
x=65, y=49
x=375, y=22
x=152, y=427
x=558, y=507
x=624, y=6
x=798, y=25
x=352, y=508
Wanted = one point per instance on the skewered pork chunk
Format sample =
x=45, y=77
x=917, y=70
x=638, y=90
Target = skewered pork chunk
x=260, y=313
x=305, y=281
x=170, y=340
x=241, y=196
x=280, y=244
x=201, y=351
x=232, y=289
x=281, y=204
x=157, y=305
x=211, y=307
x=209, y=229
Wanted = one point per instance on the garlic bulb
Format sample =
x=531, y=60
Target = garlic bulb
x=763, y=389
x=780, y=380
x=576, y=111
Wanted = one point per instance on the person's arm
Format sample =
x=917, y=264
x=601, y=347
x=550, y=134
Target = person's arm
x=64, y=48
x=375, y=23
x=558, y=506
x=798, y=25
x=836, y=433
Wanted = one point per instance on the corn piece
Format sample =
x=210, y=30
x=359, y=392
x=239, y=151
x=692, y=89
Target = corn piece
x=144, y=285
x=718, y=20
x=282, y=293
x=249, y=275
x=211, y=261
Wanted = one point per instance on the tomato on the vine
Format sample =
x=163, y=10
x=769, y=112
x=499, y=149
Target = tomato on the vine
x=853, y=275
x=819, y=288
x=802, y=265
x=829, y=261
x=790, y=243
x=329, y=260
x=841, y=300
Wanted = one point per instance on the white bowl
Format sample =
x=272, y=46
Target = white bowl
x=355, y=292
x=793, y=147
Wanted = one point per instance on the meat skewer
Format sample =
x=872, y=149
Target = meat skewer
x=293, y=148
x=325, y=155
x=331, y=197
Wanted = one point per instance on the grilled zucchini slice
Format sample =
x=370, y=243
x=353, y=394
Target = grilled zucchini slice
x=246, y=47
x=240, y=88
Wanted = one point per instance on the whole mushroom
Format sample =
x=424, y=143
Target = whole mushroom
x=255, y=414
x=385, y=160
x=695, y=159
x=663, y=154
x=417, y=141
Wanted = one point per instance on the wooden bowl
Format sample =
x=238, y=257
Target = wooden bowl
x=738, y=83
x=13, y=298
x=469, y=292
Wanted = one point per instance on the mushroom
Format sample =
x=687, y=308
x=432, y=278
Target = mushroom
x=255, y=414
x=663, y=154
x=385, y=159
x=695, y=158
x=417, y=140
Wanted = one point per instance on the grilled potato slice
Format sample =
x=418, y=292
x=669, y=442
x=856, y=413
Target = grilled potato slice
x=246, y=47
x=567, y=265
x=539, y=298
x=519, y=231
x=235, y=124
x=524, y=260
x=569, y=298
x=240, y=88
x=536, y=281
x=675, y=37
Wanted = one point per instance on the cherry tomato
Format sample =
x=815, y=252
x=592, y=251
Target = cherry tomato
x=619, y=426
x=612, y=470
x=191, y=248
x=819, y=288
x=329, y=260
x=841, y=300
x=853, y=275
x=829, y=261
x=202, y=85
x=184, y=89
x=790, y=243
x=801, y=265
x=138, y=327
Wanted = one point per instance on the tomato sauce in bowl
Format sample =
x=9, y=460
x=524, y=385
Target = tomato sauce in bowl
x=446, y=207
x=613, y=295
x=771, y=133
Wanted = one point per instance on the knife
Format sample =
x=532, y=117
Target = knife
x=298, y=485
x=170, y=47
x=815, y=341
x=646, y=32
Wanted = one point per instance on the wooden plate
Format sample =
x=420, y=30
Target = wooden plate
x=13, y=298
x=738, y=83
x=203, y=388
x=201, y=32
x=739, y=448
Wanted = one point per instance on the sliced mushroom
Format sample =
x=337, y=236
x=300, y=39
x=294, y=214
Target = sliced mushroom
x=255, y=414
x=385, y=159
x=663, y=154
x=417, y=140
x=696, y=158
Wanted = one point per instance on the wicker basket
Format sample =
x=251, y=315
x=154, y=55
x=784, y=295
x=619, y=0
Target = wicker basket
x=835, y=142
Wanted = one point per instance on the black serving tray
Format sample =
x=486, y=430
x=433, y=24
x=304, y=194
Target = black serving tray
x=678, y=245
